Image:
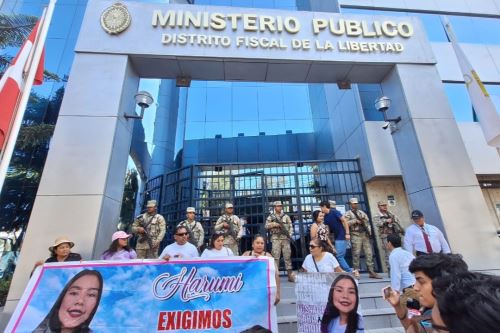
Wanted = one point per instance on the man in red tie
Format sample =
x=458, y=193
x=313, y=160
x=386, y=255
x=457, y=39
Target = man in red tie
x=422, y=238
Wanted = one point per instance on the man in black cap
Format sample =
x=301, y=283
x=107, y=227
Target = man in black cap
x=422, y=238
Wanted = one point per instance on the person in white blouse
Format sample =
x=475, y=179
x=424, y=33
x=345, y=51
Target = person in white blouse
x=320, y=260
x=422, y=238
x=216, y=247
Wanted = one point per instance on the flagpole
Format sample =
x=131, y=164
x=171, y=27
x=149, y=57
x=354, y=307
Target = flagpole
x=26, y=90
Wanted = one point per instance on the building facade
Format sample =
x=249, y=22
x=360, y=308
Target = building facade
x=438, y=156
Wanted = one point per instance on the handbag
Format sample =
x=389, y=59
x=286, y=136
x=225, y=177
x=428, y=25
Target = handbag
x=314, y=261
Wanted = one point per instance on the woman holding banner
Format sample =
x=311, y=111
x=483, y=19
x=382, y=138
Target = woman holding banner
x=258, y=247
x=320, y=260
x=258, y=250
x=119, y=249
x=76, y=305
x=216, y=247
x=341, y=312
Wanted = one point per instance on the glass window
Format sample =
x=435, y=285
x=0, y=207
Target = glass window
x=298, y=126
x=368, y=93
x=494, y=91
x=196, y=104
x=195, y=130
x=296, y=103
x=223, y=128
x=245, y=104
x=487, y=29
x=459, y=100
x=218, y=104
x=433, y=27
x=247, y=128
x=469, y=29
x=270, y=102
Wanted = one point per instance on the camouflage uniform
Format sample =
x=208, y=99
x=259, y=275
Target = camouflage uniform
x=386, y=228
x=155, y=229
x=281, y=229
x=360, y=238
x=231, y=233
x=196, y=232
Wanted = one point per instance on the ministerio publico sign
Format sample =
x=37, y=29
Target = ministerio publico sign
x=291, y=25
x=249, y=33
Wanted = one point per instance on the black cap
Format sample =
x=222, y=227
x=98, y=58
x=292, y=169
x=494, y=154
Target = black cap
x=416, y=214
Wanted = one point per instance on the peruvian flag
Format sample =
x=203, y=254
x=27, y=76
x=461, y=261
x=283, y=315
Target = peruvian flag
x=13, y=81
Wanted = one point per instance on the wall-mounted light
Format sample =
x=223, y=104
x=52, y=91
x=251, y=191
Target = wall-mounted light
x=144, y=101
x=383, y=104
x=183, y=81
x=344, y=85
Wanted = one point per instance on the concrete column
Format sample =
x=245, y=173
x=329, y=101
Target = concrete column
x=437, y=173
x=162, y=159
x=81, y=188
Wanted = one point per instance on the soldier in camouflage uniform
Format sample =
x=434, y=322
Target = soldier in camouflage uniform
x=280, y=226
x=150, y=229
x=194, y=228
x=229, y=225
x=387, y=224
x=361, y=232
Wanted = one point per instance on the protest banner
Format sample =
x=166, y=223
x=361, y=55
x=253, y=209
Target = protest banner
x=312, y=295
x=231, y=294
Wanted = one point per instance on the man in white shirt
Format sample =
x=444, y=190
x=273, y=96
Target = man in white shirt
x=402, y=280
x=181, y=249
x=422, y=238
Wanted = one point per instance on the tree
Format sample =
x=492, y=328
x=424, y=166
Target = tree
x=14, y=29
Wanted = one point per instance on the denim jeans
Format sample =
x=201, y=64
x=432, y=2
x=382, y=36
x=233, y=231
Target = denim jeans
x=341, y=246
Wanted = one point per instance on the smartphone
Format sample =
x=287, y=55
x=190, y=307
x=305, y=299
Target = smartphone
x=386, y=292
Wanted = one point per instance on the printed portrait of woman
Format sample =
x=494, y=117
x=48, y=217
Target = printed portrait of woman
x=341, y=312
x=76, y=305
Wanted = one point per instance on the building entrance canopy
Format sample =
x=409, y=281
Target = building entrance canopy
x=228, y=43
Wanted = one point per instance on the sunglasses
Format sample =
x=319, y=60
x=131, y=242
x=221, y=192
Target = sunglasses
x=311, y=246
x=182, y=234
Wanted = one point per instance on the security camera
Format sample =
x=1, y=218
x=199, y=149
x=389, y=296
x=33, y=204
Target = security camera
x=386, y=125
x=143, y=99
x=383, y=103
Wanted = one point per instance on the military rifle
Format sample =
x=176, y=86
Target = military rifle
x=145, y=236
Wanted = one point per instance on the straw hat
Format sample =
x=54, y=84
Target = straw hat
x=61, y=240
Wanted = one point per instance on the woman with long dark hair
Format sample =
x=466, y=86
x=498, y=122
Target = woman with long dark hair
x=320, y=230
x=119, y=249
x=216, y=247
x=258, y=250
x=341, y=312
x=76, y=305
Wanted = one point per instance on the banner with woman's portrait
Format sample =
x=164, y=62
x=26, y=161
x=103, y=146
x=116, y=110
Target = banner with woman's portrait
x=149, y=296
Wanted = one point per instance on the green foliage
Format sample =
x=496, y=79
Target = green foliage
x=129, y=200
x=34, y=135
x=4, y=289
x=14, y=29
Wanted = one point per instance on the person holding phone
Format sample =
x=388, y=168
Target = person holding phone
x=181, y=249
x=426, y=269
